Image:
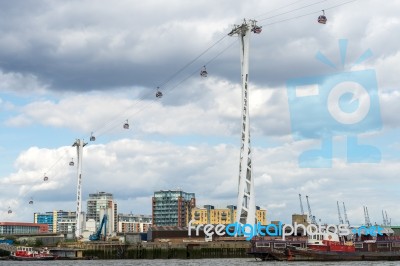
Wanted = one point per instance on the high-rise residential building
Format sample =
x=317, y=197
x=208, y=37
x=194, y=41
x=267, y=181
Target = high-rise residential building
x=172, y=207
x=210, y=215
x=134, y=223
x=100, y=204
x=58, y=221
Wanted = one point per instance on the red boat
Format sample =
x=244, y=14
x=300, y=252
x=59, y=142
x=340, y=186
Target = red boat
x=27, y=253
x=326, y=247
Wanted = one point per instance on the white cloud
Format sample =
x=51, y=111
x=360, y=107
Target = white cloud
x=85, y=67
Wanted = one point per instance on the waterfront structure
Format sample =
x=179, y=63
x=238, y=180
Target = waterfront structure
x=300, y=219
x=16, y=228
x=134, y=223
x=99, y=204
x=172, y=207
x=80, y=221
x=246, y=205
x=58, y=221
x=210, y=215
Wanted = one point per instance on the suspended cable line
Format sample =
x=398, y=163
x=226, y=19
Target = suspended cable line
x=121, y=119
x=196, y=71
x=293, y=10
x=308, y=14
x=279, y=8
x=191, y=62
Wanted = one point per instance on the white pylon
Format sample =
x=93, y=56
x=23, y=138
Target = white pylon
x=246, y=204
x=79, y=144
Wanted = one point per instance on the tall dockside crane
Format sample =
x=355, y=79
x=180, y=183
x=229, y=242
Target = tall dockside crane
x=312, y=218
x=301, y=205
x=345, y=215
x=366, y=216
x=339, y=215
x=388, y=221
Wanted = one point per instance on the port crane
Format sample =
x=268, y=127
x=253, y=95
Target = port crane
x=366, y=217
x=97, y=236
x=384, y=219
x=312, y=218
x=388, y=221
x=345, y=215
x=301, y=205
x=339, y=215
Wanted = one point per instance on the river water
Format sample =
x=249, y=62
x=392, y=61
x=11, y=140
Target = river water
x=199, y=262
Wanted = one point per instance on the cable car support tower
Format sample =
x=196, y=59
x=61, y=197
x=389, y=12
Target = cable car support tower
x=79, y=144
x=246, y=206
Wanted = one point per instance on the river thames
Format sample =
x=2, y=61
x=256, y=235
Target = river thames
x=199, y=262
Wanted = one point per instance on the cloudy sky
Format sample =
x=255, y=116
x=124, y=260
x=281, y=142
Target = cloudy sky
x=70, y=68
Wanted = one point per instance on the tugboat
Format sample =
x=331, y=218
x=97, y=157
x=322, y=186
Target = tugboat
x=28, y=254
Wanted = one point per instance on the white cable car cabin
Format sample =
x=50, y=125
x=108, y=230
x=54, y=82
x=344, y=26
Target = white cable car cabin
x=45, y=178
x=71, y=163
x=159, y=93
x=31, y=201
x=322, y=18
x=126, y=125
x=203, y=72
x=92, y=138
x=9, y=210
x=256, y=29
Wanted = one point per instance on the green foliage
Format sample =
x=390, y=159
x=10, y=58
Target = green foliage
x=38, y=243
x=4, y=253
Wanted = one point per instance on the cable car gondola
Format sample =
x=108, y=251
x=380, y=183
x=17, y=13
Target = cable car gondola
x=203, y=72
x=31, y=201
x=126, y=125
x=45, y=178
x=322, y=18
x=158, y=93
x=92, y=138
x=9, y=210
x=71, y=163
x=256, y=29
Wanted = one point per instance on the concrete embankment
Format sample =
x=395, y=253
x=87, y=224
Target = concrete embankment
x=166, y=250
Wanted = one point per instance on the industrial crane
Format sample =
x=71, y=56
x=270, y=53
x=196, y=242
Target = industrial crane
x=301, y=205
x=340, y=216
x=384, y=219
x=97, y=236
x=388, y=221
x=366, y=216
x=312, y=218
x=345, y=215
